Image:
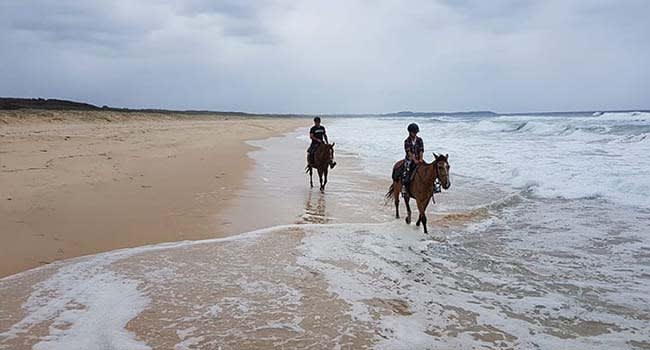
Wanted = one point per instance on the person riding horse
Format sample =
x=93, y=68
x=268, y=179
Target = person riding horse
x=318, y=136
x=414, y=152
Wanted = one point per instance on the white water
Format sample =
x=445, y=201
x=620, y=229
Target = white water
x=557, y=253
x=569, y=157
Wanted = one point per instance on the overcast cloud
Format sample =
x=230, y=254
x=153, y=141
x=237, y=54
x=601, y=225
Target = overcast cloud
x=334, y=56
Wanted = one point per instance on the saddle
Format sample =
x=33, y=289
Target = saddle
x=399, y=169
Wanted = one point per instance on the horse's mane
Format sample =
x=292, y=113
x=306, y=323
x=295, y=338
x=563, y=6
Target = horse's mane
x=435, y=161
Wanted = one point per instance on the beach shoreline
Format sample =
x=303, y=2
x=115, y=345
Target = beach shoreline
x=301, y=268
x=78, y=183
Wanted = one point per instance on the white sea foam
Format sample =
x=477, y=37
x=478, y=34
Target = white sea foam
x=419, y=293
x=568, y=157
x=462, y=303
x=89, y=303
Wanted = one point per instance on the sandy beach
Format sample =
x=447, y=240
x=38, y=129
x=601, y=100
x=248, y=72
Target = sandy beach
x=77, y=183
x=254, y=258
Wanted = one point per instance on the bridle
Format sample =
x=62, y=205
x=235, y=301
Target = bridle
x=435, y=165
x=436, y=169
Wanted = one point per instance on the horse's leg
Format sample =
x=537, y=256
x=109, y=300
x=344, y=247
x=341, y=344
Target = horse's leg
x=424, y=223
x=396, y=189
x=408, y=209
x=320, y=179
x=311, y=177
x=422, y=208
x=325, y=173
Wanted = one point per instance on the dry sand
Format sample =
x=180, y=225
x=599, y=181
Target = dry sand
x=76, y=183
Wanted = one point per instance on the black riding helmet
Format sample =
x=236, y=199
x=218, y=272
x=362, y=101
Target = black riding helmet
x=413, y=128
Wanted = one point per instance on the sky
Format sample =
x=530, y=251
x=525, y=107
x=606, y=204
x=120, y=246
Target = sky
x=330, y=56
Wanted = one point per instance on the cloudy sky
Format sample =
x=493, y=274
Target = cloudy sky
x=330, y=56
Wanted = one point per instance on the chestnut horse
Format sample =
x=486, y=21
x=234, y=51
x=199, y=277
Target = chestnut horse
x=421, y=186
x=323, y=157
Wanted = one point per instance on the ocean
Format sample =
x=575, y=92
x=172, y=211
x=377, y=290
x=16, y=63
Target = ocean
x=555, y=249
x=542, y=242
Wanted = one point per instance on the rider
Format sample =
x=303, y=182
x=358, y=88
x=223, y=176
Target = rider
x=414, y=149
x=318, y=136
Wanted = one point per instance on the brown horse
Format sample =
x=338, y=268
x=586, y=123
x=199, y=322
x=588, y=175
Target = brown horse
x=323, y=157
x=421, y=186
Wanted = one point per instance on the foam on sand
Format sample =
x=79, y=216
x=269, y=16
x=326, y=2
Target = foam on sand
x=84, y=303
x=386, y=286
x=86, y=307
x=419, y=293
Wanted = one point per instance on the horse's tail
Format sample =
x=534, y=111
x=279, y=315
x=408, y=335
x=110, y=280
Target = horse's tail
x=390, y=193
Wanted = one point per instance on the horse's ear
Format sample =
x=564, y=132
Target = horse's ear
x=333, y=143
x=447, y=156
x=435, y=155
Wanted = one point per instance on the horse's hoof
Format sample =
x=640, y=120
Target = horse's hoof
x=408, y=221
x=417, y=223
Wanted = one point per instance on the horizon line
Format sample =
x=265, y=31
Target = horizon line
x=77, y=105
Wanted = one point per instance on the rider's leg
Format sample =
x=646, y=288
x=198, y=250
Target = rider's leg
x=310, y=155
x=406, y=176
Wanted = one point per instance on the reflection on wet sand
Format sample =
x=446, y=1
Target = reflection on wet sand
x=315, y=209
x=277, y=190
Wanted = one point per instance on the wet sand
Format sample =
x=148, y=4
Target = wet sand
x=245, y=291
x=76, y=183
x=277, y=191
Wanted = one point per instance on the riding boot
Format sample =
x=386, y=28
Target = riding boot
x=332, y=165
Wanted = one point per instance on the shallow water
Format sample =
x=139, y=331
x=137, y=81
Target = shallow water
x=526, y=251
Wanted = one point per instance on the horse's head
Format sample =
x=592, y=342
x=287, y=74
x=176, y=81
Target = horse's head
x=441, y=164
